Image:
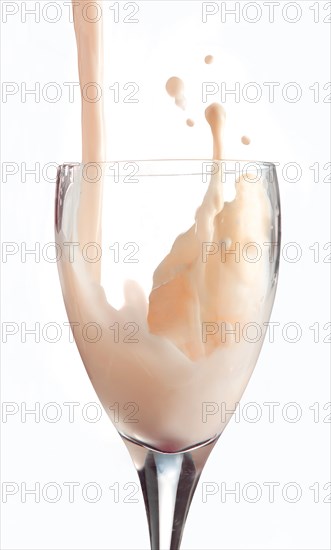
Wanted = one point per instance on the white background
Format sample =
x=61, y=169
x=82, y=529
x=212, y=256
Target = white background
x=169, y=39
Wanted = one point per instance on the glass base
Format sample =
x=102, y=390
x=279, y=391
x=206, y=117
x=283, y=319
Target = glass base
x=168, y=483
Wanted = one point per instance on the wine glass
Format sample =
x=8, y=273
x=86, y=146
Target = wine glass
x=169, y=272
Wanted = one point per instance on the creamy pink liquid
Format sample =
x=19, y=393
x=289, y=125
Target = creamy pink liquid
x=170, y=373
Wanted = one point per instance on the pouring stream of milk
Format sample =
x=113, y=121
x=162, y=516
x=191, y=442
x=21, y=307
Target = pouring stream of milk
x=89, y=38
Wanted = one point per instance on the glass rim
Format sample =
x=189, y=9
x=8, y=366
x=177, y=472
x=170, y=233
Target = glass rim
x=159, y=160
x=172, y=167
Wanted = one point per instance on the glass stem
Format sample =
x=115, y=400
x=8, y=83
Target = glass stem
x=168, y=482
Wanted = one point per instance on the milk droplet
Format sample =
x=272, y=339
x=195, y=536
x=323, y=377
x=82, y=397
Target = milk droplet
x=245, y=140
x=175, y=88
x=209, y=59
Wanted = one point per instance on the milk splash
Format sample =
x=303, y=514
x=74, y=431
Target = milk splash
x=169, y=373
